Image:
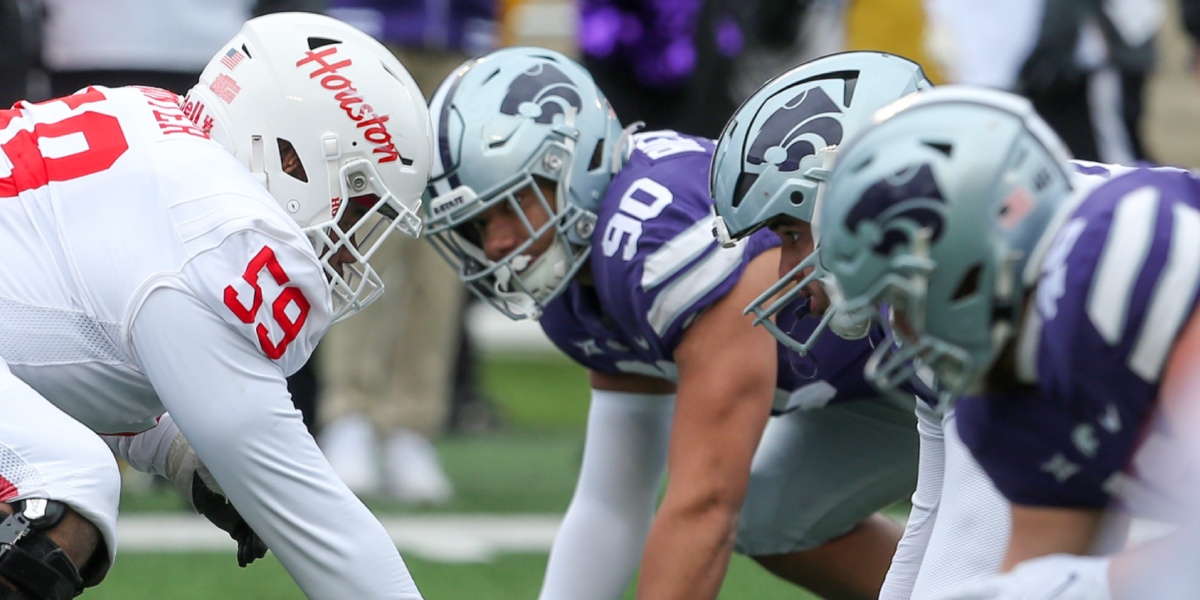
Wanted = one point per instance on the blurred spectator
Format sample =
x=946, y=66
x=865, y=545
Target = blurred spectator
x=20, y=48
x=1083, y=63
x=667, y=63
x=1087, y=73
x=387, y=376
x=894, y=26
x=1190, y=11
x=143, y=42
x=781, y=34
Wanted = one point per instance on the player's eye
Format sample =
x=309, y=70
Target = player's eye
x=473, y=230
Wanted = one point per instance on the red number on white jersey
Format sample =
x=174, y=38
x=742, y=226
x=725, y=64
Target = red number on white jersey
x=265, y=259
x=98, y=137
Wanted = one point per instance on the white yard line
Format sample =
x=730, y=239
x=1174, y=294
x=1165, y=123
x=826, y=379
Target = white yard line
x=443, y=538
x=460, y=538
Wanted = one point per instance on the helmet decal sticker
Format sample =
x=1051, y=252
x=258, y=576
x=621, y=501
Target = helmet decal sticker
x=788, y=135
x=232, y=58
x=374, y=125
x=910, y=195
x=225, y=88
x=540, y=93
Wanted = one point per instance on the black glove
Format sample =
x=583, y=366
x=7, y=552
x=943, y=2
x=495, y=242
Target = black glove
x=220, y=511
x=200, y=489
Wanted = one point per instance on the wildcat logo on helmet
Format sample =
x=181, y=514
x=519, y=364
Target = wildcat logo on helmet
x=911, y=195
x=797, y=128
x=541, y=93
x=352, y=103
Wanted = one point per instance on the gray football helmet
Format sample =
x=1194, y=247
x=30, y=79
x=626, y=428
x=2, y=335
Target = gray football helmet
x=936, y=212
x=501, y=121
x=778, y=148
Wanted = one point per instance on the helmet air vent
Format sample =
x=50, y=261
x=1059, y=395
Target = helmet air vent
x=851, y=82
x=246, y=51
x=290, y=160
x=320, y=42
x=390, y=71
x=969, y=284
x=744, y=183
x=597, y=160
x=942, y=147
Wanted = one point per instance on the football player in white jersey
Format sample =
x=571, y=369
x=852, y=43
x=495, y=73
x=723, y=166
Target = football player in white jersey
x=183, y=257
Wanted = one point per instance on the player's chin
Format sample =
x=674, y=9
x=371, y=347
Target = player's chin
x=338, y=270
x=817, y=303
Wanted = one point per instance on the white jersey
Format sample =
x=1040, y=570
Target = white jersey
x=123, y=214
x=146, y=269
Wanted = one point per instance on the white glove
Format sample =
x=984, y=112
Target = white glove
x=1054, y=577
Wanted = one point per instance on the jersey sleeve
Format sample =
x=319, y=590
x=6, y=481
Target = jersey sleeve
x=1116, y=286
x=270, y=291
x=654, y=266
x=657, y=265
x=232, y=403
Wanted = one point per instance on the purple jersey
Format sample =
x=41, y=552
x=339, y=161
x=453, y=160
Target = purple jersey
x=655, y=267
x=1117, y=285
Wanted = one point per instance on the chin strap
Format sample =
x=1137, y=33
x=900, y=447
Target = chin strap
x=623, y=149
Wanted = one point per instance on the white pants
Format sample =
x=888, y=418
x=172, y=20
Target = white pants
x=959, y=525
x=44, y=453
x=818, y=473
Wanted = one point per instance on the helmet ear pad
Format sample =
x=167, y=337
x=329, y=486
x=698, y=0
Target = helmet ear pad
x=320, y=113
x=505, y=121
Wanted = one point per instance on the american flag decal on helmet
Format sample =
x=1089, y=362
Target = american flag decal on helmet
x=232, y=58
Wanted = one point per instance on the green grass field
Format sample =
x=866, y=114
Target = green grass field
x=528, y=468
x=210, y=576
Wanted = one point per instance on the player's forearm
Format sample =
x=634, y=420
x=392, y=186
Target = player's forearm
x=687, y=552
x=600, y=542
x=595, y=553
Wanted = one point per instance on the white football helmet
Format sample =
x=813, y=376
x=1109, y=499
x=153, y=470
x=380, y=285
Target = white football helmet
x=313, y=87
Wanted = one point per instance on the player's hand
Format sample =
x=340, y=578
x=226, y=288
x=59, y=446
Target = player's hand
x=1054, y=577
x=205, y=495
x=218, y=509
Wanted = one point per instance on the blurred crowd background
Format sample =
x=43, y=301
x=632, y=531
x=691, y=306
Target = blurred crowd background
x=1116, y=78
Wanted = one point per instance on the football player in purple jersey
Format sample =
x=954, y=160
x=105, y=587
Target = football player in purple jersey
x=769, y=169
x=549, y=209
x=1056, y=301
